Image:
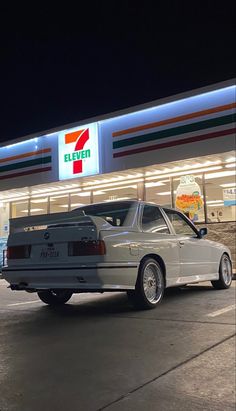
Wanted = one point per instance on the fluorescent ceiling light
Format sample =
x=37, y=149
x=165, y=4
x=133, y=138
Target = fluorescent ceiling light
x=156, y=184
x=57, y=196
x=15, y=199
x=216, y=205
x=230, y=165
x=103, y=186
x=214, y=201
x=55, y=193
x=220, y=174
x=228, y=185
x=98, y=193
x=41, y=200
x=200, y=170
x=231, y=160
x=164, y=193
x=185, y=167
x=120, y=188
x=84, y=194
x=32, y=210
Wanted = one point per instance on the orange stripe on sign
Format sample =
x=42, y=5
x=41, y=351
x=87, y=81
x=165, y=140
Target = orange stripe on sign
x=73, y=137
x=30, y=154
x=174, y=119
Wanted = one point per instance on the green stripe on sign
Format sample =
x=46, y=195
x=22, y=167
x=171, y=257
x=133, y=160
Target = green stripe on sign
x=170, y=132
x=24, y=164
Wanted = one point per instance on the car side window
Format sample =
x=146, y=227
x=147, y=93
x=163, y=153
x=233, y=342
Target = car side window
x=180, y=225
x=153, y=221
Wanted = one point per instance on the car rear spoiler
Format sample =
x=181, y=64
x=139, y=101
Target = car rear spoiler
x=50, y=221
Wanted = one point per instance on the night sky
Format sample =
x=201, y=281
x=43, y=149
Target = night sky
x=63, y=65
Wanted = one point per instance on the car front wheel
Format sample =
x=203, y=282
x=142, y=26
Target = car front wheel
x=225, y=274
x=55, y=297
x=149, y=287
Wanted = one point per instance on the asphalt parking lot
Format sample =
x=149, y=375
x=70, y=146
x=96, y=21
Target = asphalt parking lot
x=98, y=353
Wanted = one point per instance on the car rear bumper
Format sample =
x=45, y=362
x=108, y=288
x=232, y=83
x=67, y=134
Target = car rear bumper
x=117, y=276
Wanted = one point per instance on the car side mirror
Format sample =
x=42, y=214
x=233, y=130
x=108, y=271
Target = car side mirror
x=202, y=232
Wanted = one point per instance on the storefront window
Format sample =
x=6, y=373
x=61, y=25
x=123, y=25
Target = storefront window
x=220, y=196
x=59, y=203
x=159, y=192
x=188, y=196
x=20, y=209
x=38, y=206
x=79, y=199
x=128, y=192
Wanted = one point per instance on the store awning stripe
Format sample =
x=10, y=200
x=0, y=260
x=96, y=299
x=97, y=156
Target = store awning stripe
x=172, y=120
x=192, y=139
x=24, y=155
x=175, y=131
x=27, y=172
x=25, y=164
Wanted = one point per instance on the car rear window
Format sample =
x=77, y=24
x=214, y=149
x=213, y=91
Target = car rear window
x=114, y=213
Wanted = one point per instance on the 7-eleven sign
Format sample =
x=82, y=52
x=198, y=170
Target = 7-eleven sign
x=78, y=152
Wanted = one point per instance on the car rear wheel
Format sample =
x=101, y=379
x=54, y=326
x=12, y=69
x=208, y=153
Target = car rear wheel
x=149, y=287
x=225, y=274
x=55, y=297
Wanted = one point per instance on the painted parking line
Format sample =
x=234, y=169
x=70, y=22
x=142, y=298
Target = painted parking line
x=23, y=303
x=222, y=311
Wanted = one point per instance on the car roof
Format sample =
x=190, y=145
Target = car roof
x=126, y=201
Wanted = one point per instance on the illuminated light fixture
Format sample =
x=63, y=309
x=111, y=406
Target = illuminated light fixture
x=15, y=199
x=228, y=185
x=165, y=193
x=32, y=210
x=172, y=104
x=21, y=142
x=214, y=201
x=119, y=188
x=53, y=188
x=232, y=165
x=42, y=200
x=98, y=193
x=220, y=174
x=48, y=193
x=157, y=184
x=114, y=184
x=216, y=205
x=84, y=194
x=200, y=170
x=59, y=196
x=98, y=184
x=231, y=160
x=185, y=167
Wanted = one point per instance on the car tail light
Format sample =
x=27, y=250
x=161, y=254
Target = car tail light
x=18, y=251
x=96, y=247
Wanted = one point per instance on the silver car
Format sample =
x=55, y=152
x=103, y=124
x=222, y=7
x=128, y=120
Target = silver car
x=128, y=246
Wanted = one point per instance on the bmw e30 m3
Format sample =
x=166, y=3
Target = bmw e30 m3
x=128, y=246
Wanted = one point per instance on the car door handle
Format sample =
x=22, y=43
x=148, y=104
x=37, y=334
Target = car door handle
x=181, y=242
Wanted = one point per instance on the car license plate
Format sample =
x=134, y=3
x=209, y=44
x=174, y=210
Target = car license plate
x=49, y=252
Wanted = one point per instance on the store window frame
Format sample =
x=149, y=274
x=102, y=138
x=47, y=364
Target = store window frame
x=141, y=195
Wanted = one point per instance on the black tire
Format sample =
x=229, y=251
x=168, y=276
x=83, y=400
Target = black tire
x=225, y=274
x=55, y=297
x=149, y=289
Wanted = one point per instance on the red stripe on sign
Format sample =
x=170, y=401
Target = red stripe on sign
x=25, y=173
x=175, y=143
x=78, y=165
